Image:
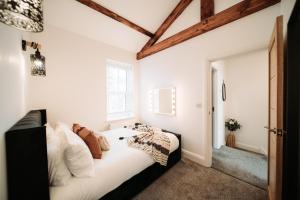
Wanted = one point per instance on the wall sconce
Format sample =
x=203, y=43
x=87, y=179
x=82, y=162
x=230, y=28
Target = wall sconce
x=22, y=14
x=37, y=59
x=38, y=64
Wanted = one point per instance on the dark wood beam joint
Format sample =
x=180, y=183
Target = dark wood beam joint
x=235, y=12
x=181, y=6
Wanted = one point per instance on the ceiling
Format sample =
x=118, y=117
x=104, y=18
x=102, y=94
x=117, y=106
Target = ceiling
x=149, y=14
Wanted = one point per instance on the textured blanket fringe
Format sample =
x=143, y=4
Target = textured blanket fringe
x=153, y=142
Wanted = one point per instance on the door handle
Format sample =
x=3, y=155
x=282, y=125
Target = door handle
x=273, y=130
x=276, y=131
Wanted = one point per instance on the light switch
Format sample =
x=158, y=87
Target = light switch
x=198, y=105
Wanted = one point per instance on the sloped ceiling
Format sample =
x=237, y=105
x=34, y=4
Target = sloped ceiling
x=78, y=18
x=75, y=17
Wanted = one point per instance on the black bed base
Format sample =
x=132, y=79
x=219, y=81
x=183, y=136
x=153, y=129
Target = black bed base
x=27, y=168
x=137, y=183
x=26, y=158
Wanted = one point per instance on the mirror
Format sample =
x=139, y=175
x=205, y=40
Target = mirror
x=162, y=101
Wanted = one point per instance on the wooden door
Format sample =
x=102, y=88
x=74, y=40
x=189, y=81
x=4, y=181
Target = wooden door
x=275, y=131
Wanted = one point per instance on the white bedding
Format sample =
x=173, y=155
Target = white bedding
x=117, y=165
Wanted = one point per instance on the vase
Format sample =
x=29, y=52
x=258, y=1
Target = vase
x=230, y=141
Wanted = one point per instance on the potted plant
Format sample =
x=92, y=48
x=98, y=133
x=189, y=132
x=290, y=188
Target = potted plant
x=232, y=125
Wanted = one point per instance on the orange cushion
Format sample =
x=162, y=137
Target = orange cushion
x=76, y=128
x=90, y=139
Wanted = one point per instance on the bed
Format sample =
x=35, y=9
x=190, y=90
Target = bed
x=120, y=174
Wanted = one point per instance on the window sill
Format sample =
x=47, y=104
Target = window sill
x=120, y=119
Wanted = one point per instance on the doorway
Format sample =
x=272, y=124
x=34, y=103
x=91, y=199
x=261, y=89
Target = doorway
x=239, y=91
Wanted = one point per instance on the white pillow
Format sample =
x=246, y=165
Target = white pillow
x=57, y=169
x=77, y=155
x=79, y=161
x=49, y=132
x=60, y=129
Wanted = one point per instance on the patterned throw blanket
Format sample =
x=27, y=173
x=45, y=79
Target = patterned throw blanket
x=153, y=142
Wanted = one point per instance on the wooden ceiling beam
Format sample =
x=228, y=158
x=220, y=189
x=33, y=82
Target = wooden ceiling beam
x=237, y=11
x=111, y=14
x=181, y=6
x=207, y=9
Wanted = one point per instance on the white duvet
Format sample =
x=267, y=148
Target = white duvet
x=117, y=165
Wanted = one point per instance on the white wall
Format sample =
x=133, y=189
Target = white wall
x=74, y=89
x=12, y=91
x=163, y=71
x=246, y=79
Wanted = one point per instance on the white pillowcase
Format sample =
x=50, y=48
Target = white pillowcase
x=57, y=169
x=79, y=161
x=78, y=158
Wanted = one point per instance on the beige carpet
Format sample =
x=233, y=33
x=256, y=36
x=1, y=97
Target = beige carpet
x=187, y=180
x=247, y=166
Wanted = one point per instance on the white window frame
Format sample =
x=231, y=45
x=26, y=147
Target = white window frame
x=128, y=112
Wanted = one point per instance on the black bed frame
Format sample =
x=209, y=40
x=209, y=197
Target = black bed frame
x=26, y=158
x=140, y=181
x=27, y=165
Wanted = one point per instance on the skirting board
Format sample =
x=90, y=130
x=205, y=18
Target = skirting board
x=251, y=148
x=193, y=157
x=263, y=151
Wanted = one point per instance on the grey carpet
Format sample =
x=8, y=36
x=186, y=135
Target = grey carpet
x=244, y=165
x=190, y=181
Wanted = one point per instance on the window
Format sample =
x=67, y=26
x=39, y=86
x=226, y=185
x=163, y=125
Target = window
x=119, y=90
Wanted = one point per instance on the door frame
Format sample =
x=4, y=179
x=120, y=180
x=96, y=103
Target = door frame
x=207, y=112
x=214, y=111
